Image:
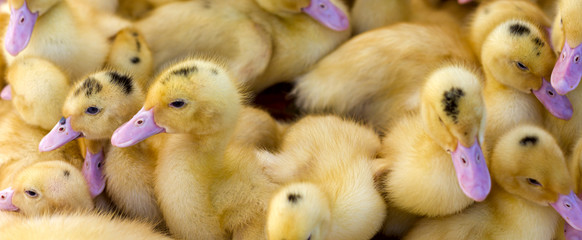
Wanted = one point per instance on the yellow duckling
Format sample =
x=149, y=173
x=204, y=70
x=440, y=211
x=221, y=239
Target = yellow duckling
x=517, y=59
x=46, y=188
x=94, y=108
x=262, y=41
x=530, y=174
x=418, y=149
x=38, y=90
x=81, y=45
x=330, y=193
x=77, y=226
x=371, y=14
x=130, y=53
x=222, y=186
x=376, y=75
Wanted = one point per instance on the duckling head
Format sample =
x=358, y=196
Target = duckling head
x=299, y=211
x=94, y=108
x=568, y=69
x=45, y=188
x=528, y=162
x=38, y=90
x=129, y=52
x=517, y=54
x=23, y=17
x=330, y=13
x=195, y=96
x=453, y=113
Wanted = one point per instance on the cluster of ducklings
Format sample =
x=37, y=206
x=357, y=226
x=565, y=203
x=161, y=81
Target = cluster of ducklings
x=423, y=119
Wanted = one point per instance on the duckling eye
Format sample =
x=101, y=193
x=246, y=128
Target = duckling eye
x=521, y=66
x=533, y=182
x=177, y=104
x=92, y=110
x=31, y=193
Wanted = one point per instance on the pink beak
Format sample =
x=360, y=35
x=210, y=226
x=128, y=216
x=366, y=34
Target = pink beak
x=19, y=29
x=327, y=14
x=557, y=105
x=93, y=172
x=568, y=69
x=6, y=93
x=60, y=135
x=6, y=200
x=472, y=171
x=140, y=127
x=570, y=208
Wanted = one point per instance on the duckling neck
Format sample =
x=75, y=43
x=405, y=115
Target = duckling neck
x=531, y=219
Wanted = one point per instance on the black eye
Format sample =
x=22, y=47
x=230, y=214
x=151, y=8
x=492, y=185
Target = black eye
x=31, y=193
x=92, y=110
x=521, y=66
x=177, y=104
x=99, y=165
x=533, y=182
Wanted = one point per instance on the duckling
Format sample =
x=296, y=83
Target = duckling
x=567, y=72
x=375, y=76
x=81, y=45
x=78, y=226
x=222, y=187
x=371, y=14
x=325, y=163
x=530, y=175
x=274, y=40
x=45, y=188
x=516, y=59
x=94, y=108
x=491, y=14
x=38, y=90
x=130, y=53
x=419, y=147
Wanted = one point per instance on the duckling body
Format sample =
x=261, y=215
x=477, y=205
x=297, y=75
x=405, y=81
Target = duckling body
x=223, y=191
x=518, y=205
x=324, y=194
x=420, y=153
x=371, y=14
x=81, y=45
x=376, y=75
x=78, y=226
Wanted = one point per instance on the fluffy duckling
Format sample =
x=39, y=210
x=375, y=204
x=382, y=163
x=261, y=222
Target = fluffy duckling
x=130, y=53
x=418, y=149
x=516, y=59
x=567, y=72
x=376, y=75
x=274, y=40
x=94, y=108
x=77, y=226
x=38, y=90
x=330, y=192
x=81, y=45
x=223, y=189
x=489, y=15
x=531, y=175
x=371, y=14
x=46, y=188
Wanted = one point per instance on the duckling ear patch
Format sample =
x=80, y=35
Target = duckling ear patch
x=90, y=86
x=528, y=140
x=451, y=103
x=518, y=30
x=125, y=82
x=185, y=72
x=293, y=197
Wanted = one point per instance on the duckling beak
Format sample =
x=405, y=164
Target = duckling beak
x=140, y=127
x=571, y=233
x=464, y=1
x=93, y=172
x=60, y=135
x=327, y=14
x=6, y=93
x=568, y=69
x=6, y=200
x=472, y=171
x=570, y=208
x=19, y=29
x=557, y=105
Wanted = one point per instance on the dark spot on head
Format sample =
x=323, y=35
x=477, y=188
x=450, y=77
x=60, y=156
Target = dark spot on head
x=90, y=86
x=123, y=81
x=214, y=71
x=185, y=71
x=451, y=102
x=538, y=54
x=207, y=4
x=67, y=173
x=63, y=121
x=538, y=42
x=293, y=197
x=135, y=60
x=138, y=45
x=134, y=34
x=528, y=139
x=518, y=29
